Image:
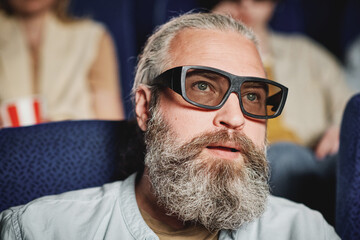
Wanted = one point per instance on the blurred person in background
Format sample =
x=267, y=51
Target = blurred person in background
x=70, y=63
x=304, y=141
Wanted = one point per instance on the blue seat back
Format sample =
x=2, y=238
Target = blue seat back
x=348, y=175
x=57, y=157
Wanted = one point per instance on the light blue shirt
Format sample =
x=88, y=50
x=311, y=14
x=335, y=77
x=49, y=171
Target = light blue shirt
x=111, y=212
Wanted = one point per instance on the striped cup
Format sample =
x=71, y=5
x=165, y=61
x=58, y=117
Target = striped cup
x=22, y=112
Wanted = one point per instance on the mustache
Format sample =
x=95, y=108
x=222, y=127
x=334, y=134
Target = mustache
x=238, y=140
x=254, y=156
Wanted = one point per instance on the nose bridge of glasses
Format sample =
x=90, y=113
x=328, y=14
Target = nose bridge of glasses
x=235, y=86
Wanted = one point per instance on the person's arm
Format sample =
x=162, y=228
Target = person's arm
x=104, y=82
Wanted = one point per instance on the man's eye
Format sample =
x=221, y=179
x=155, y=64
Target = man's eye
x=251, y=97
x=203, y=86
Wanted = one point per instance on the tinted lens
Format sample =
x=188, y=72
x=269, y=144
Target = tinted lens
x=259, y=98
x=274, y=99
x=206, y=87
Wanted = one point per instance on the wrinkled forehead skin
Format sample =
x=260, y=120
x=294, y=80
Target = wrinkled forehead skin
x=225, y=50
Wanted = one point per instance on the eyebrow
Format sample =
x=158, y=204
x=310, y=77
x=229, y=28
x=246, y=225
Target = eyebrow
x=254, y=85
x=212, y=76
x=205, y=73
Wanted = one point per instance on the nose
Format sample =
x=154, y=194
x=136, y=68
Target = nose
x=230, y=115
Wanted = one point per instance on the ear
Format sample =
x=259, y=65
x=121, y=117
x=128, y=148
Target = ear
x=142, y=101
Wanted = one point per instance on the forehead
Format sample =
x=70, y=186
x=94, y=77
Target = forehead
x=225, y=50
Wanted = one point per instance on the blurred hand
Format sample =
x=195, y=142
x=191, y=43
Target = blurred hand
x=329, y=143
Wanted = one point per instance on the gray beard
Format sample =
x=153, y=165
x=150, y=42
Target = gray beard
x=214, y=192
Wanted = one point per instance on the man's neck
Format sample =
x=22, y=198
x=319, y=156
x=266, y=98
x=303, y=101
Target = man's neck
x=148, y=203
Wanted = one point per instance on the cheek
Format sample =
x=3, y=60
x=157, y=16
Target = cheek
x=185, y=124
x=184, y=120
x=256, y=131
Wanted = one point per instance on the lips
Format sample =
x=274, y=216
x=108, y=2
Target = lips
x=223, y=148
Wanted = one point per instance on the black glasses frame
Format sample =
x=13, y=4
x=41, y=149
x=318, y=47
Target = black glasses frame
x=174, y=79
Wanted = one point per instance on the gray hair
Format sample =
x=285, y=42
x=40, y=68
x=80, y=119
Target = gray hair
x=155, y=56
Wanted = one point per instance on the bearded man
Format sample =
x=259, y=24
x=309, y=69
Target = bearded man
x=202, y=99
